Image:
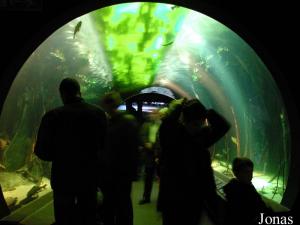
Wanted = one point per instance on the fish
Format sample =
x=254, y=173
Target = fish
x=234, y=140
x=35, y=189
x=169, y=43
x=77, y=28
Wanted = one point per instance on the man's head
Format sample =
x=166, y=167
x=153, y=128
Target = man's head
x=69, y=89
x=111, y=101
x=193, y=110
x=243, y=169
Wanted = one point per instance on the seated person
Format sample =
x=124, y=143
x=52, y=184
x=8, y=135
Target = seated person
x=244, y=203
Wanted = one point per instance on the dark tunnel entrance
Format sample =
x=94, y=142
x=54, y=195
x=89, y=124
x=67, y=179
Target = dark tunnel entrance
x=146, y=103
x=212, y=64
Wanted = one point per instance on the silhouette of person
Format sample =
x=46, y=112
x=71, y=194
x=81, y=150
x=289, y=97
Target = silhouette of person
x=120, y=162
x=187, y=181
x=72, y=137
x=4, y=210
x=148, y=134
x=244, y=204
x=137, y=114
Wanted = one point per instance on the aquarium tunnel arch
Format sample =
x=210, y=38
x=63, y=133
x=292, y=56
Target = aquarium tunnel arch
x=132, y=46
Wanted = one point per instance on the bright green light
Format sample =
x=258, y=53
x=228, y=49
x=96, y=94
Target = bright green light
x=134, y=38
x=140, y=28
x=162, y=12
x=111, y=43
x=120, y=12
x=131, y=8
x=155, y=55
x=158, y=43
x=259, y=183
x=132, y=47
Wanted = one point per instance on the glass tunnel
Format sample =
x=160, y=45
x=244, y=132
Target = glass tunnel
x=131, y=47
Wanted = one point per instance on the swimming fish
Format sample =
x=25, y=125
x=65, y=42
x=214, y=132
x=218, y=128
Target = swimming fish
x=234, y=140
x=174, y=7
x=77, y=28
x=35, y=189
x=169, y=43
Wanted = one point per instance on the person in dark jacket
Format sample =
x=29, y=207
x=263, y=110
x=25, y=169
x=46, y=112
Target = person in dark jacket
x=72, y=138
x=243, y=201
x=148, y=134
x=187, y=181
x=120, y=162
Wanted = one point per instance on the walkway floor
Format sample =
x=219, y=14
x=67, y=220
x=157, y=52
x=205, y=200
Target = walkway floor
x=143, y=214
x=40, y=212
